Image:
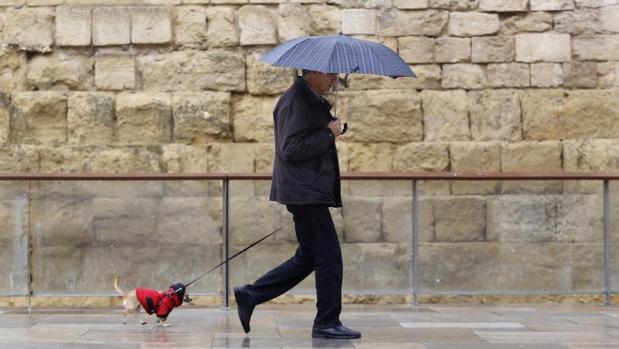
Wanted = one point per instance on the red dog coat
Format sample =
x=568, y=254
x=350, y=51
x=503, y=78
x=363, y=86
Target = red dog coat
x=160, y=303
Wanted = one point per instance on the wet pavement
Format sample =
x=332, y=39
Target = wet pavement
x=289, y=326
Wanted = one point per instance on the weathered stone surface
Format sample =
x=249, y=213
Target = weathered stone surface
x=193, y=71
x=257, y=26
x=473, y=23
x=390, y=267
x=591, y=155
x=61, y=70
x=19, y=158
x=382, y=116
x=151, y=25
x=594, y=3
x=181, y=158
x=475, y=157
x=551, y=5
x=358, y=21
x=5, y=102
x=115, y=72
x=580, y=74
x=578, y=22
x=532, y=157
x=233, y=158
x=608, y=74
x=143, y=118
x=452, y=50
x=398, y=216
x=490, y=49
x=544, y=47
x=362, y=218
x=38, y=118
x=91, y=118
x=495, y=115
x=610, y=19
x=222, y=30
x=529, y=22
x=460, y=219
x=596, y=48
x=503, y=5
x=325, y=20
x=422, y=156
x=201, y=117
x=416, y=49
x=190, y=26
x=73, y=25
x=465, y=76
x=428, y=77
x=579, y=218
x=445, y=116
x=30, y=29
x=546, y=75
x=12, y=69
x=557, y=114
x=455, y=5
x=521, y=218
x=509, y=75
x=14, y=237
x=411, y=4
x=255, y=217
x=98, y=159
x=264, y=79
x=391, y=22
x=253, y=118
x=293, y=22
x=111, y=26
x=365, y=157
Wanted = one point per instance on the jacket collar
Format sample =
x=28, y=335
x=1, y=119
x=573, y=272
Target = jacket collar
x=312, y=95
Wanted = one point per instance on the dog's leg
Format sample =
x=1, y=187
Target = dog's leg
x=137, y=315
x=163, y=323
x=124, y=320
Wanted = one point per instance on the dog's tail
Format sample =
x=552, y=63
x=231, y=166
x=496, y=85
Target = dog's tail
x=117, y=285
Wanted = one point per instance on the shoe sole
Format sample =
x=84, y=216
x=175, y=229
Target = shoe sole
x=326, y=336
x=238, y=295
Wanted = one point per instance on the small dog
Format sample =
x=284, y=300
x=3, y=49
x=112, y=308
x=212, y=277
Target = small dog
x=153, y=301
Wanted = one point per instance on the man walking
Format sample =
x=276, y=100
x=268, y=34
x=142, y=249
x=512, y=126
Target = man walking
x=306, y=178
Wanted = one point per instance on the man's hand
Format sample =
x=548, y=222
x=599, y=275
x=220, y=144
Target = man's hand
x=335, y=127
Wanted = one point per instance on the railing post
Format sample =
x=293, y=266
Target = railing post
x=226, y=216
x=415, y=249
x=29, y=246
x=606, y=242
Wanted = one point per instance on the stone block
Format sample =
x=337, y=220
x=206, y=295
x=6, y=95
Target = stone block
x=509, y=75
x=475, y=157
x=421, y=157
x=382, y=116
x=253, y=118
x=608, y=73
x=358, y=21
x=580, y=74
x=390, y=272
x=190, y=26
x=231, y=158
x=460, y=219
x=115, y=72
x=546, y=47
x=416, y=49
x=452, y=50
x=30, y=29
x=521, y=218
x=596, y=48
x=527, y=22
x=411, y=4
x=473, y=24
x=594, y=3
x=60, y=70
x=62, y=220
x=464, y=76
x=365, y=157
x=546, y=75
x=44, y=2
x=362, y=219
x=591, y=155
x=503, y=5
x=188, y=220
x=201, y=117
x=325, y=20
x=264, y=79
x=91, y=118
x=181, y=158
x=99, y=159
x=13, y=64
x=73, y=26
x=222, y=30
x=5, y=103
x=455, y=5
x=495, y=115
x=151, y=25
x=188, y=70
x=253, y=217
x=551, y=5
x=111, y=26
x=144, y=118
x=398, y=217
x=38, y=118
x=14, y=210
x=257, y=26
x=19, y=158
x=445, y=116
x=610, y=19
x=392, y=22
x=532, y=157
x=557, y=114
x=293, y=22
x=428, y=77
x=579, y=22
x=579, y=218
x=493, y=49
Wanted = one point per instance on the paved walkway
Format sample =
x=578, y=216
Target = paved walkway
x=288, y=326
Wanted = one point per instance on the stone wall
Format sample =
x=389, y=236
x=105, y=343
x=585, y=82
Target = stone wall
x=176, y=86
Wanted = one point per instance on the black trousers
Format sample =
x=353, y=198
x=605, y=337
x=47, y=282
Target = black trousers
x=318, y=251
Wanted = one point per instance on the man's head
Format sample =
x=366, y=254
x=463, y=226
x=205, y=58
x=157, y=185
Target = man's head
x=321, y=82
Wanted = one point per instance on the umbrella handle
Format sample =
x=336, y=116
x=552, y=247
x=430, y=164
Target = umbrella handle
x=344, y=129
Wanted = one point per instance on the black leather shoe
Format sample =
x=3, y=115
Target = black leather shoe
x=337, y=332
x=243, y=306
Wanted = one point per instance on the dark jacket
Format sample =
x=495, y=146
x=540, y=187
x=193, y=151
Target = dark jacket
x=305, y=169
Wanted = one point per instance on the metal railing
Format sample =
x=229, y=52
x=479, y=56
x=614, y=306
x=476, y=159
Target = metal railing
x=384, y=176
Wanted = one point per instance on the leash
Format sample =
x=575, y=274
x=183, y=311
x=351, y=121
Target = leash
x=236, y=254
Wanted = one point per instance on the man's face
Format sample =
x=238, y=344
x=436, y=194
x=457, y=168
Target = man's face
x=322, y=82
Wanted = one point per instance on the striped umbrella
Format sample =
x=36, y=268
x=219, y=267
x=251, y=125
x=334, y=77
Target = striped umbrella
x=338, y=54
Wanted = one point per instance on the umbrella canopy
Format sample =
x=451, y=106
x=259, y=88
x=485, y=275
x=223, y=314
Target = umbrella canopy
x=338, y=54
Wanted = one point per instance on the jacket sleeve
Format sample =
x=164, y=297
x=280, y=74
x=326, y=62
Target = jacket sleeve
x=298, y=142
